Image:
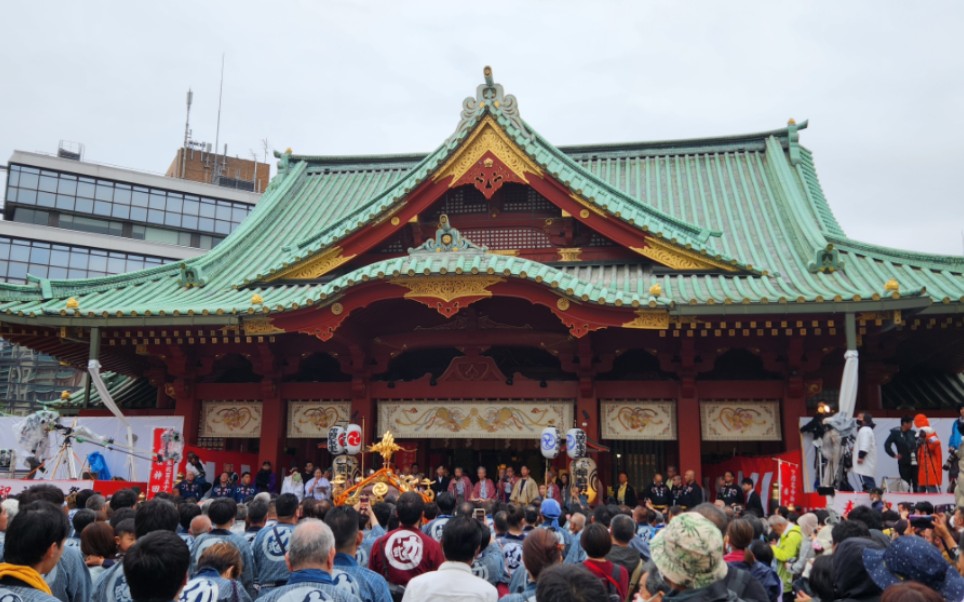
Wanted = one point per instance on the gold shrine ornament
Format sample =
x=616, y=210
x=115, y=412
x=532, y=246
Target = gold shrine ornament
x=488, y=137
x=387, y=447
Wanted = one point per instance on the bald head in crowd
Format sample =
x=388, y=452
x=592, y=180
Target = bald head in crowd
x=576, y=522
x=200, y=525
x=312, y=546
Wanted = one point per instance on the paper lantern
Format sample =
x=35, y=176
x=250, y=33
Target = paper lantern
x=550, y=443
x=576, y=443
x=336, y=440
x=353, y=439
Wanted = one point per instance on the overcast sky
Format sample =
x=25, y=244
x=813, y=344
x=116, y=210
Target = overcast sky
x=881, y=82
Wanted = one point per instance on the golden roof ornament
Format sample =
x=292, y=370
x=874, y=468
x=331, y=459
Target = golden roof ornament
x=73, y=303
x=386, y=447
x=656, y=290
x=892, y=286
x=65, y=395
x=257, y=299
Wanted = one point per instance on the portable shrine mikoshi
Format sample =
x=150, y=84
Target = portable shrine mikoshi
x=380, y=483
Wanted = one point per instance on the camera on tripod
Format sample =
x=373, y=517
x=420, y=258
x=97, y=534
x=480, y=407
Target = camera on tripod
x=952, y=459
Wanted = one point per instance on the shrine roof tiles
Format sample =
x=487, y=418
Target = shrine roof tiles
x=752, y=201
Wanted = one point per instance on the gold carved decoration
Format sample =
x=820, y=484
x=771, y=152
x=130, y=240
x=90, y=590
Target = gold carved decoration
x=649, y=320
x=679, y=258
x=260, y=326
x=488, y=137
x=314, y=267
x=448, y=288
x=562, y=303
x=505, y=252
x=572, y=254
x=337, y=309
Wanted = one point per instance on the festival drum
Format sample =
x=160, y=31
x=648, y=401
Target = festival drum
x=585, y=476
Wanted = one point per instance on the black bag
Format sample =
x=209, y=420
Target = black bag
x=612, y=591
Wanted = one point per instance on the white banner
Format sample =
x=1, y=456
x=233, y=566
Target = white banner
x=107, y=426
x=886, y=466
x=844, y=502
x=15, y=486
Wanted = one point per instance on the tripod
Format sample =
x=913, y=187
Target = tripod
x=66, y=455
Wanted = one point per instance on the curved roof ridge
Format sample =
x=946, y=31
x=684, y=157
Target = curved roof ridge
x=688, y=145
x=689, y=228
x=265, y=209
x=378, y=204
x=941, y=262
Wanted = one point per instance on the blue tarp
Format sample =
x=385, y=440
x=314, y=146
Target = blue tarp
x=98, y=465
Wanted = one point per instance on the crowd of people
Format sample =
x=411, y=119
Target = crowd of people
x=509, y=539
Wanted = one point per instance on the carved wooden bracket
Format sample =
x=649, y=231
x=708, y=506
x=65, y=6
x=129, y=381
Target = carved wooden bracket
x=488, y=175
x=448, y=308
x=472, y=368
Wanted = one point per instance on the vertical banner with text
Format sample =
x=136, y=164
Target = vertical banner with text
x=791, y=486
x=162, y=473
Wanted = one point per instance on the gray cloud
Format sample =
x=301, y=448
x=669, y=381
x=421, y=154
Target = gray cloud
x=880, y=82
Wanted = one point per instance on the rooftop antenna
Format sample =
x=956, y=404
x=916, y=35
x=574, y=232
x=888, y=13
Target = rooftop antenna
x=217, y=133
x=187, y=132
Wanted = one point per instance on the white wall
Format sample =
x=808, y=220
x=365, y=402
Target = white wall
x=107, y=426
x=886, y=466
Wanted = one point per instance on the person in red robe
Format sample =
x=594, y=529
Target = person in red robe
x=930, y=475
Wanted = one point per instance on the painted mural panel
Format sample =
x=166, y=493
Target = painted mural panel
x=312, y=419
x=650, y=419
x=231, y=419
x=740, y=420
x=472, y=419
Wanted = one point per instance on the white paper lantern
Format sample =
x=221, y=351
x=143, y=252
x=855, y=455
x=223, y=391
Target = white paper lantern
x=353, y=439
x=576, y=443
x=550, y=442
x=336, y=440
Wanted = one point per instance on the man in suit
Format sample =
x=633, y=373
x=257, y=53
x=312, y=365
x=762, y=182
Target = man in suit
x=625, y=494
x=753, y=503
x=484, y=490
x=441, y=482
x=729, y=493
x=526, y=490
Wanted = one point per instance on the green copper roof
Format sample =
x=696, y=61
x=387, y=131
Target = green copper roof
x=754, y=200
x=126, y=391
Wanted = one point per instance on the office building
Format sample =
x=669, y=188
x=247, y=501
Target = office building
x=66, y=218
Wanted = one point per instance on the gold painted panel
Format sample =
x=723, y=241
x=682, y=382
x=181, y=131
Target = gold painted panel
x=740, y=420
x=650, y=419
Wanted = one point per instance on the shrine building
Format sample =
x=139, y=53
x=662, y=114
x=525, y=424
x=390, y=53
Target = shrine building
x=681, y=301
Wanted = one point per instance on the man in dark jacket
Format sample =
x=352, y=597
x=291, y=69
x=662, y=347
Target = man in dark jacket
x=902, y=444
x=728, y=492
x=753, y=503
x=625, y=494
x=691, y=494
x=657, y=495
